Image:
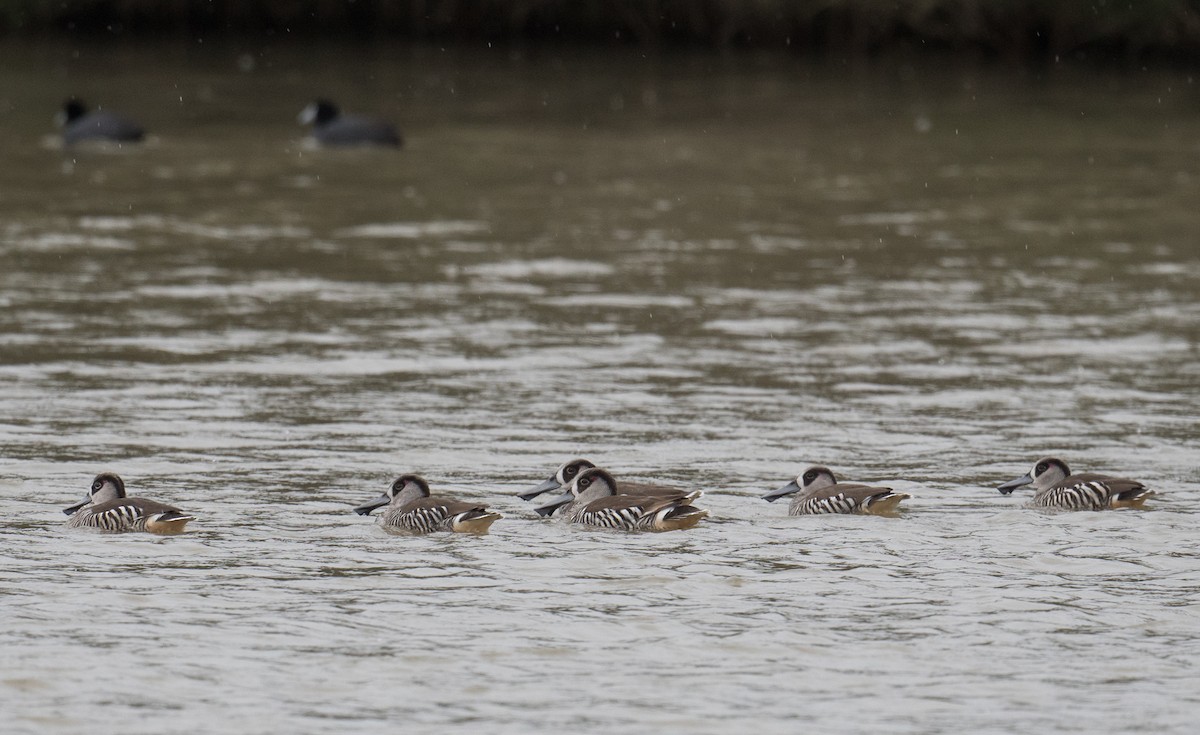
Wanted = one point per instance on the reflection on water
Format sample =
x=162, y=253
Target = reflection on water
x=926, y=279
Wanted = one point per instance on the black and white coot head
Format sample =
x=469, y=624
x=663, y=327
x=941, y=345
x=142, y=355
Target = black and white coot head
x=318, y=112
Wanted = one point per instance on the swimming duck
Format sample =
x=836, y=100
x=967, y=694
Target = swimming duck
x=818, y=491
x=107, y=508
x=411, y=508
x=1058, y=488
x=565, y=475
x=594, y=499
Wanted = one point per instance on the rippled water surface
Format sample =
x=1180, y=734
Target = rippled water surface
x=711, y=272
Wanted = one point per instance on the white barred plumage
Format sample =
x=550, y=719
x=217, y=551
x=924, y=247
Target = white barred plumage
x=1058, y=488
x=108, y=509
x=626, y=519
x=561, y=481
x=818, y=492
x=594, y=499
x=836, y=504
x=412, y=509
x=1084, y=496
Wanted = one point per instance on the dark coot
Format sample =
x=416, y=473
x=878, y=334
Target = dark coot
x=78, y=125
x=331, y=127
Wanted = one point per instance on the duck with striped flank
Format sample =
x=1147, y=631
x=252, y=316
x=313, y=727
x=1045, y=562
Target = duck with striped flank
x=1056, y=487
x=818, y=491
x=412, y=509
x=107, y=508
x=561, y=481
x=594, y=499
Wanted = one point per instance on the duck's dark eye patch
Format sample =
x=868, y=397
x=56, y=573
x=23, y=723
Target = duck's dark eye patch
x=1041, y=468
x=571, y=471
x=585, y=482
x=810, y=476
x=97, y=485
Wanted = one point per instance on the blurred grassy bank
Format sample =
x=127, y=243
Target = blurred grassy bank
x=1100, y=30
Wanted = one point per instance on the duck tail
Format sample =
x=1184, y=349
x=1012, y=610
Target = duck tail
x=679, y=517
x=1135, y=498
x=168, y=522
x=885, y=503
x=477, y=520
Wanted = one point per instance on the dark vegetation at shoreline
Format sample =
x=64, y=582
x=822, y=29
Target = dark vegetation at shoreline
x=1024, y=30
